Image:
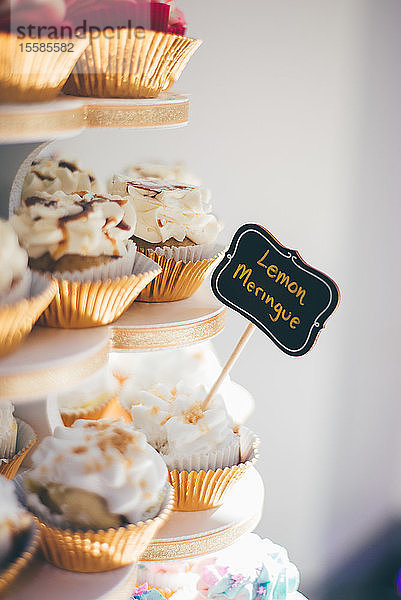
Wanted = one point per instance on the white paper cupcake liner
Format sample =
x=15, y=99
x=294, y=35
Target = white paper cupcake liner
x=188, y=254
x=113, y=269
x=25, y=440
x=19, y=290
x=219, y=459
x=8, y=442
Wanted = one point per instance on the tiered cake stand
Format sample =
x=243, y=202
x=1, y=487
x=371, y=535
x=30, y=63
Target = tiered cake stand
x=52, y=359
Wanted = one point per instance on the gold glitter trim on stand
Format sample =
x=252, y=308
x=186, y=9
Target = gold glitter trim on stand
x=55, y=119
x=198, y=545
x=47, y=380
x=11, y=571
x=124, y=338
x=157, y=115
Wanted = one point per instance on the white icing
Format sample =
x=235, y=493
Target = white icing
x=46, y=175
x=166, y=209
x=95, y=233
x=13, y=258
x=108, y=458
x=175, y=425
x=193, y=365
x=172, y=172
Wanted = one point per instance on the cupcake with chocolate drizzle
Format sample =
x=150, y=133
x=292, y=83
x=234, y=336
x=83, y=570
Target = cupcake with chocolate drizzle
x=176, y=228
x=82, y=239
x=52, y=175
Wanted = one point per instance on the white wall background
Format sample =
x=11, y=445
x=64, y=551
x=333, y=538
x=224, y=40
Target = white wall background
x=295, y=124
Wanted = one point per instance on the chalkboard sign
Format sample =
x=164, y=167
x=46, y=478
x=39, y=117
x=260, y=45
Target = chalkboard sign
x=274, y=288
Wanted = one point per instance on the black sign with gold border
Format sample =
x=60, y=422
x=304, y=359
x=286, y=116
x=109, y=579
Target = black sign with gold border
x=275, y=289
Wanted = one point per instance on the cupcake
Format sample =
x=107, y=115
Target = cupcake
x=92, y=399
x=16, y=439
x=15, y=277
x=51, y=175
x=33, y=66
x=251, y=568
x=82, y=240
x=173, y=579
x=193, y=365
x=23, y=296
x=144, y=592
x=170, y=172
x=175, y=227
x=203, y=451
x=130, y=55
x=18, y=534
x=100, y=493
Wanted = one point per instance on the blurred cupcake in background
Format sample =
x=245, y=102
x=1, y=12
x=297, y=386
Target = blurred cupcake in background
x=100, y=493
x=16, y=439
x=252, y=568
x=82, y=240
x=53, y=175
x=18, y=534
x=176, y=228
x=177, y=172
x=94, y=398
x=193, y=365
x=8, y=430
x=23, y=295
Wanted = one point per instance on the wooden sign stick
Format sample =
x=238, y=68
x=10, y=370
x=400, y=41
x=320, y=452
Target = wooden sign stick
x=229, y=364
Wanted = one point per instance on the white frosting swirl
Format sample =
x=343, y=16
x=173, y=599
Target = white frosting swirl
x=175, y=424
x=107, y=458
x=13, y=258
x=50, y=175
x=166, y=209
x=87, y=224
x=172, y=172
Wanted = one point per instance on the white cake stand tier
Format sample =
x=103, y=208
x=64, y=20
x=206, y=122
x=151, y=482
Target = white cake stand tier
x=68, y=116
x=152, y=326
x=48, y=361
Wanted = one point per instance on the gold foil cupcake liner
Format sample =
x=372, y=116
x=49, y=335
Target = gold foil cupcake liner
x=178, y=280
x=98, y=551
x=28, y=542
x=80, y=304
x=26, y=439
x=101, y=411
x=201, y=490
x=28, y=76
x=17, y=320
x=130, y=63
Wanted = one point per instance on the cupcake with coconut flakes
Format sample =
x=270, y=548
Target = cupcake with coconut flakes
x=15, y=277
x=176, y=228
x=16, y=440
x=202, y=449
x=83, y=240
x=103, y=481
x=52, y=175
